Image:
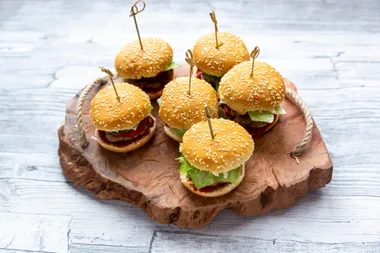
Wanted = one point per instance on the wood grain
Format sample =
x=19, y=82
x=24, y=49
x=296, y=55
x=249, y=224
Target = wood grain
x=164, y=241
x=89, y=226
x=34, y=232
x=49, y=49
x=96, y=248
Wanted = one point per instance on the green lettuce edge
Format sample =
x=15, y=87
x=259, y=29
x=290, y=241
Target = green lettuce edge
x=202, y=178
x=179, y=132
x=172, y=65
x=266, y=116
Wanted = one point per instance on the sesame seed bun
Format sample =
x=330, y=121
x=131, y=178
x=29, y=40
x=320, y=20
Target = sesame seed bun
x=231, y=147
x=219, y=192
x=243, y=93
x=108, y=114
x=217, y=61
x=133, y=63
x=135, y=145
x=180, y=110
x=170, y=134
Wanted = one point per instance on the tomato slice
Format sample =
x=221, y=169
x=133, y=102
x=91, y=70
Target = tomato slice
x=148, y=121
x=198, y=74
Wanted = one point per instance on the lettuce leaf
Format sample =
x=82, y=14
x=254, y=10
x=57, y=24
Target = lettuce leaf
x=185, y=165
x=203, y=178
x=172, y=65
x=214, y=79
x=278, y=110
x=266, y=116
x=261, y=116
x=178, y=132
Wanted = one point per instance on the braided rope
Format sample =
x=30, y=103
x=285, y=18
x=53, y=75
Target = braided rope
x=293, y=96
x=82, y=98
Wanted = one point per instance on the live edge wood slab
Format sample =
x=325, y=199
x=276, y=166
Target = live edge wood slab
x=148, y=177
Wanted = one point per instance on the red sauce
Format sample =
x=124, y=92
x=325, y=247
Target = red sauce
x=199, y=74
x=147, y=123
x=143, y=126
x=211, y=188
x=231, y=115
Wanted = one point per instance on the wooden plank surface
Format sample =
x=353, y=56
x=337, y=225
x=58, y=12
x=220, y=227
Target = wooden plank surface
x=50, y=49
x=164, y=241
x=34, y=232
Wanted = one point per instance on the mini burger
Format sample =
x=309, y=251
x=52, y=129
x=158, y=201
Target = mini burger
x=212, y=167
x=149, y=69
x=212, y=63
x=122, y=124
x=253, y=101
x=180, y=109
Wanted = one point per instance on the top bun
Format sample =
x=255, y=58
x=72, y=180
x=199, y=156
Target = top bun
x=180, y=110
x=108, y=114
x=243, y=93
x=133, y=63
x=217, y=61
x=231, y=147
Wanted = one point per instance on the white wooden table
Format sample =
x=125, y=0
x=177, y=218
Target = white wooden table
x=50, y=49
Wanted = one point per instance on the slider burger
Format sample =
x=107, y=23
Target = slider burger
x=149, y=69
x=252, y=101
x=125, y=124
x=212, y=167
x=212, y=63
x=180, y=109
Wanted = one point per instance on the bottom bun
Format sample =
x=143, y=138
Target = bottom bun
x=132, y=146
x=155, y=94
x=171, y=134
x=219, y=192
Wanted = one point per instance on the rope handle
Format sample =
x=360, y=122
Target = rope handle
x=81, y=99
x=296, y=99
x=290, y=94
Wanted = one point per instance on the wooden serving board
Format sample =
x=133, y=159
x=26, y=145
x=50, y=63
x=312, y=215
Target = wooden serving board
x=148, y=178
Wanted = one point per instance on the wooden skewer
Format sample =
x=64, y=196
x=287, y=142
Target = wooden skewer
x=190, y=60
x=109, y=73
x=134, y=11
x=209, y=121
x=255, y=52
x=213, y=18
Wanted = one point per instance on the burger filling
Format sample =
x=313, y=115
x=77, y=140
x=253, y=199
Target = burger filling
x=205, y=181
x=157, y=83
x=179, y=132
x=213, y=80
x=127, y=136
x=254, y=120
